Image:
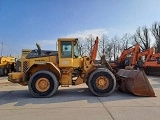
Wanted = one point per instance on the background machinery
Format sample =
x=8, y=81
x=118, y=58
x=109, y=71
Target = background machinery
x=146, y=60
x=44, y=71
x=149, y=62
x=155, y=56
x=127, y=58
x=147, y=54
x=152, y=65
x=7, y=65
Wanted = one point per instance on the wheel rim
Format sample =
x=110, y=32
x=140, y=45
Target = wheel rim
x=102, y=83
x=42, y=84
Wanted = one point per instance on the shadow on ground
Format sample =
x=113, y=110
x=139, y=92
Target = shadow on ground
x=23, y=97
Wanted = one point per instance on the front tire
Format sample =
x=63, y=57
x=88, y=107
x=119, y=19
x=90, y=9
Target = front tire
x=43, y=84
x=102, y=82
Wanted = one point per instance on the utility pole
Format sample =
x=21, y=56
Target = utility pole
x=2, y=49
x=103, y=45
x=114, y=48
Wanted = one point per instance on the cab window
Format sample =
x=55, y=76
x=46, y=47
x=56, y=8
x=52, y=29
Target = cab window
x=66, y=49
x=76, y=52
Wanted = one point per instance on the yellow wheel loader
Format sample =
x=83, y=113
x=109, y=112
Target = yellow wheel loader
x=44, y=71
x=7, y=65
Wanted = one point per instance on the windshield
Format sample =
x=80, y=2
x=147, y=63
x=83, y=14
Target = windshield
x=66, y=49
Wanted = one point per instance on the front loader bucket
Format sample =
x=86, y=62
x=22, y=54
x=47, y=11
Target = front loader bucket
x=135, y=81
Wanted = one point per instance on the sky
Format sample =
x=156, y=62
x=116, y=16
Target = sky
x=23, y=23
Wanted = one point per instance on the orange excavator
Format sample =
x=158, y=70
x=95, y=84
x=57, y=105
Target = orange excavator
x=155, y=56
x=95, y=49
x=124, y=60
x=151, y=62
x=144, y=56
x=152, y=65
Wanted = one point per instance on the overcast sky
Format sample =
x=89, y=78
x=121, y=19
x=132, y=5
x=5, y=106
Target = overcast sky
x=23, y=23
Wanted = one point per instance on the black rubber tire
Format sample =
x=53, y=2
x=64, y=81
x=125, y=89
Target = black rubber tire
x=92, y=82
x=45, y=74
x=1, y=72
x=5, y=71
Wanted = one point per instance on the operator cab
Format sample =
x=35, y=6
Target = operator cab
x=68, y=52
x=66, y=49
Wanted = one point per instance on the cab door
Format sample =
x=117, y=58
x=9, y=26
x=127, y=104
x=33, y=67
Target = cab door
x=65, y=54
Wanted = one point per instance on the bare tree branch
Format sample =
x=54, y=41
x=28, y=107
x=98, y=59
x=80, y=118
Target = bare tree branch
x=142, y=37
x=155, y=30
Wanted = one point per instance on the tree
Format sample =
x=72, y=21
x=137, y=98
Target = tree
x=86, y=45
x=103, y=41
x=119, y=44
x=116, y=48
x=109, y=51
x=89, y=44
x=106, y=47
x=124, y=42
x=142, y=37
x=155, y=30
x=81, y=47
x=113, y=48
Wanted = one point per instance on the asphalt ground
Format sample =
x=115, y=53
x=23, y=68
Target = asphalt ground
x=77, y=103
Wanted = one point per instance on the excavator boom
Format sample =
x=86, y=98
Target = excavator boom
x=95, y=49
x=147, y=53
x=121, y=64
x=134, y=50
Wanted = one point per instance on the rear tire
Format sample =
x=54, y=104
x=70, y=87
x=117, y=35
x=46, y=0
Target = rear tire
x=102, y=82
x=5, y=71
x=43, y=84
